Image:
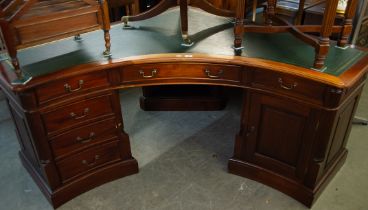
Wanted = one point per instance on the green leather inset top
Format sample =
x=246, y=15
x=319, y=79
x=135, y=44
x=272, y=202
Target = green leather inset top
x=161, y=34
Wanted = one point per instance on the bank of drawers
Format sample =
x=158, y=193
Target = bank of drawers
x=218, y=73
x=84, y=134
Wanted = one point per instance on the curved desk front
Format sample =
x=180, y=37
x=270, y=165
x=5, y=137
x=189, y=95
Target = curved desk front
x=294, y=126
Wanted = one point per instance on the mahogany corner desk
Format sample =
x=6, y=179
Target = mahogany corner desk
x=294, y=124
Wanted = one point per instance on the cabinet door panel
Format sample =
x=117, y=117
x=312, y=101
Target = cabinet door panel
x=280, y=134
x=286, y=128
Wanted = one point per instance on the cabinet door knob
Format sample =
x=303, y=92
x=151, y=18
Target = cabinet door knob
x=87, y=139
x=76, y=117
x=210, y=75
x=69, y=89
x=153, y=73
x=287, y=87
x=85, y=162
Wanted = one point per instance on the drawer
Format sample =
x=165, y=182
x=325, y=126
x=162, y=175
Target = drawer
x=77, y=113
x=90, y=159
x=71, y=86
x=83, y=137
x=134, y=73
x=290, y=85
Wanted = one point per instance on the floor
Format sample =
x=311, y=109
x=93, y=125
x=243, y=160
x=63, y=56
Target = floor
x=183, y=165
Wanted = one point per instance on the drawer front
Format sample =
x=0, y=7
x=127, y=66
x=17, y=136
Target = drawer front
x=134, y=73
x=90, y=159
x=83, y=137
x=290, y=85
x=77, y=113
x=74, y=85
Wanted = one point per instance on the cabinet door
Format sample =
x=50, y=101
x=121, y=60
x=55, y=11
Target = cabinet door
x=278, y=134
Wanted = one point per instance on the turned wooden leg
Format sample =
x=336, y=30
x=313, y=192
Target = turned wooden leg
x=17, y=70
x=239, y=27
x=10, y=43
x=107, y=52
x=106, y=28
x=326, y=30
x=184, y=22
x=254, y=10
x=270, y=11
x=12, y=51
x=238, y=35
x=321, y=53
x=348, y=23
x=299, y=15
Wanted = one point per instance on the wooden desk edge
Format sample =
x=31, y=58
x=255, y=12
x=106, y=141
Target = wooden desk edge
x=345, y=80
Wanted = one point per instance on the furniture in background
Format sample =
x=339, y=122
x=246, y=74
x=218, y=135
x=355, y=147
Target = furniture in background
x=119, y=7
x=276, y=24
x=313, y=15
x=33, y=22
x=293, y=10
x=183, y=4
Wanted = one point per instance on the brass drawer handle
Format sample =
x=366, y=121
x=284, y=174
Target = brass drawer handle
x=85, y=162
x=219, y=74
x=153, y=73
x=290, y=87
x=85, y=113
x=87, y=139
x=69, y=89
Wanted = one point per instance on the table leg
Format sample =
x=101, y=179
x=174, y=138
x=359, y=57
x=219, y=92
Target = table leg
x=10, y=43
x=239, y=26
x=270, y=11
x=184, y=22
x=299, y=15
x=106, y=27
x=325, y=33
x=254, y=10
x=347, y=23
